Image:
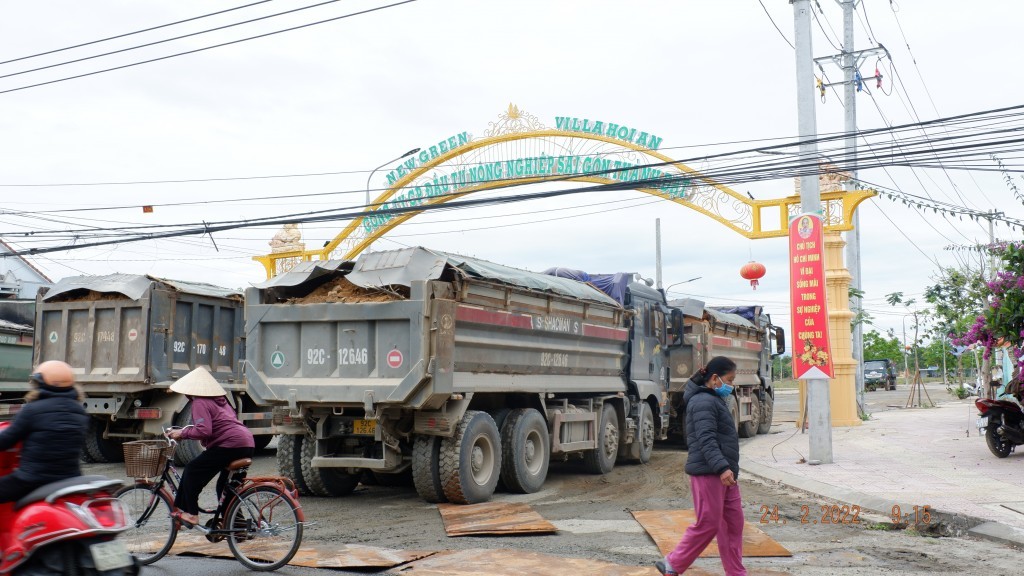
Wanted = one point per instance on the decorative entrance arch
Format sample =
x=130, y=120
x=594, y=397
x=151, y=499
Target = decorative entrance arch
x=518, y=149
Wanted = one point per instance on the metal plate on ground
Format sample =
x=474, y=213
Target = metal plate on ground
x=311, y=556
x=520, y=562
x=496, y=518
x=666, y=528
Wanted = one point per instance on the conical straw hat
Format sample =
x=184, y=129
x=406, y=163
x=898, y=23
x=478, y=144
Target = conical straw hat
x=198, y=382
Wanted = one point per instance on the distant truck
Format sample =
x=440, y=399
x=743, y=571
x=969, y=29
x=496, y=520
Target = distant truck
x=458, y=372
x=747, y=336
x=16, y=319
x=879, y=374
x=128, y=337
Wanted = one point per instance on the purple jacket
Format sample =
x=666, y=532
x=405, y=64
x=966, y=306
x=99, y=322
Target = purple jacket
x=216, y=426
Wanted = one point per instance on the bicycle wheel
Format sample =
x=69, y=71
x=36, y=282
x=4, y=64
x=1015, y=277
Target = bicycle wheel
x=266, y=531
x=152, y=531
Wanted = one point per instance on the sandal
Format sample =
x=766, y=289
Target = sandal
x=178, y=516
x=664, y=568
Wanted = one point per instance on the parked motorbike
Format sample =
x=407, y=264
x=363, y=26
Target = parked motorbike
x=1002, y=423
x=66, y=527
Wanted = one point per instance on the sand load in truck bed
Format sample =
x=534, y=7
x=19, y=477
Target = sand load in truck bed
x=341, y=290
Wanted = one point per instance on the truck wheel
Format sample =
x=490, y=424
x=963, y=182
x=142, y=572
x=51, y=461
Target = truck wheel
x=767, y=413
x=892, y=384
x=601, y=460
x=748, y=429
x=100, y=449
x=426, y=472
x=525, y=451
x=470, y=460
x=734, y=411
x=289, y=452
x=325, y=481
x=642, y=447
x=187, y=449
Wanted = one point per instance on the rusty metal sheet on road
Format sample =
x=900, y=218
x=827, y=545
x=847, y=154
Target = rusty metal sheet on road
x=493, y=518
x=348, y=556
x=666, y=528
x=519, y=562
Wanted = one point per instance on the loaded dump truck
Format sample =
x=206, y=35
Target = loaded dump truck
x=746, y=335
x=128, y=337
x=462, y=370
x=16, y=318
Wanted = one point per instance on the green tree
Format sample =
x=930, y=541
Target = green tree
x=782, y=367
x=879, y=347
x=957, y=298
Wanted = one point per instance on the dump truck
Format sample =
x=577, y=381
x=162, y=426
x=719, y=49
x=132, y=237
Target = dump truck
x=16, y=331
x=128, y=337
x=454, y=370
x=747, y=336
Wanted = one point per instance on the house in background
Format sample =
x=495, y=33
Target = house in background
x=19, y=279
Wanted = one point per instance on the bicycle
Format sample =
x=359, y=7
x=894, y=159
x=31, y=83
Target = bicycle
x=260, y=517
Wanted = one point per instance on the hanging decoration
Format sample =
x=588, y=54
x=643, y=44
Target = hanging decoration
x=753, y=271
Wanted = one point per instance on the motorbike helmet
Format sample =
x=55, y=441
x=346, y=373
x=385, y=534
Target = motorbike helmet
x=54, y=373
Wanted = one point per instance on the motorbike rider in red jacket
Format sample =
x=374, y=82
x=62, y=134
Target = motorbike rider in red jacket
x=51, y=427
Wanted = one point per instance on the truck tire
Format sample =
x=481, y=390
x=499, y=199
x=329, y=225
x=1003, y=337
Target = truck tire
x=470, y=461
x=601, y=460
x=289, y=452
x=187, y=449
x=525, y=451
x=892, y=384
x=426, y=472
x=100, y=449
x=642, y=447
x=734, y=411
x=325, y=481
x=748, y=429
x=767, y=413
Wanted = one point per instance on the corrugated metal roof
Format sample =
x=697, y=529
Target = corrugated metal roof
x=14, y=327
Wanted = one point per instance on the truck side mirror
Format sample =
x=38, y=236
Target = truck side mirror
x=780, y=340
x=676, y=336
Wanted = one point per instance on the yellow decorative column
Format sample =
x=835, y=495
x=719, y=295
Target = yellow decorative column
x=843, y=387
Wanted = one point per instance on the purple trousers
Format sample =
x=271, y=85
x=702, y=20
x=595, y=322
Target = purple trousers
x=719, y=514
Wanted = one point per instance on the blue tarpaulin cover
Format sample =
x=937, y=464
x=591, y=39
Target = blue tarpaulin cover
x=613, y=285
x=750, y=313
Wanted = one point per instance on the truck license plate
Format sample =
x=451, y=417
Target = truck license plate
x=367, y=427
x=983, y=422
x=110, y=555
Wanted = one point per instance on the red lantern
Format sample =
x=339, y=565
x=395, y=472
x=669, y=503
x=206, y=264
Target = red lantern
x=753, y=271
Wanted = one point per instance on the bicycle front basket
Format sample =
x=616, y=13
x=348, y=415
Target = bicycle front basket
x=146, y=458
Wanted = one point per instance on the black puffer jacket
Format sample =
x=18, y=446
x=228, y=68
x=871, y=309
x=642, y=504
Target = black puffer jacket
x=714, y=445
x=52, y=431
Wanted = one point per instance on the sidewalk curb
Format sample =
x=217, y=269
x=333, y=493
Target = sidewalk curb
x=956, y=524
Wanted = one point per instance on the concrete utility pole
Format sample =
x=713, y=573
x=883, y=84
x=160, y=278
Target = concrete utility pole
x=657, y=251
x=819, y=411
x=850, y=61
x=986, y=363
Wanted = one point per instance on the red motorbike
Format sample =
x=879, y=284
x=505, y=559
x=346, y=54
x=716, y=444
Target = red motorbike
x=1002, y=423
x=66, y=527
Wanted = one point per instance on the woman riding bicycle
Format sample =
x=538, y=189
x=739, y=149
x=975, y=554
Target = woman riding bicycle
x=218, y=429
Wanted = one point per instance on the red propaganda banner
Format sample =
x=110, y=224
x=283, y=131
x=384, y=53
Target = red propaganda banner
x=812, y=356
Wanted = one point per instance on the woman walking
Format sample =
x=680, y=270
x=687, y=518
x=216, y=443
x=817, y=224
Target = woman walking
x=713, y=464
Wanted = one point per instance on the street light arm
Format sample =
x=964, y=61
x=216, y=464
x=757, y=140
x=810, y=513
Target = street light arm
x=374, y=171
x=683, y=282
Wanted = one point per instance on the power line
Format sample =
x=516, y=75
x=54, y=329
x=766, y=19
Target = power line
x=776, y=25
x=164, y=41
x=133, y=33
x=361, y=12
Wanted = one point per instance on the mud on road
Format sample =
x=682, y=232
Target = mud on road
x=592, y=514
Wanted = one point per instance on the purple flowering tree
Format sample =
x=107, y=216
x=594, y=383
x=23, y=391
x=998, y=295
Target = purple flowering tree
x=1001, y=323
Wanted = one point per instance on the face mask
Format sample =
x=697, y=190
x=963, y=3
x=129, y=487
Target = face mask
x=724, y=390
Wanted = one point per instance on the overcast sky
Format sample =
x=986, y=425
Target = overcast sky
x=349, y=95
